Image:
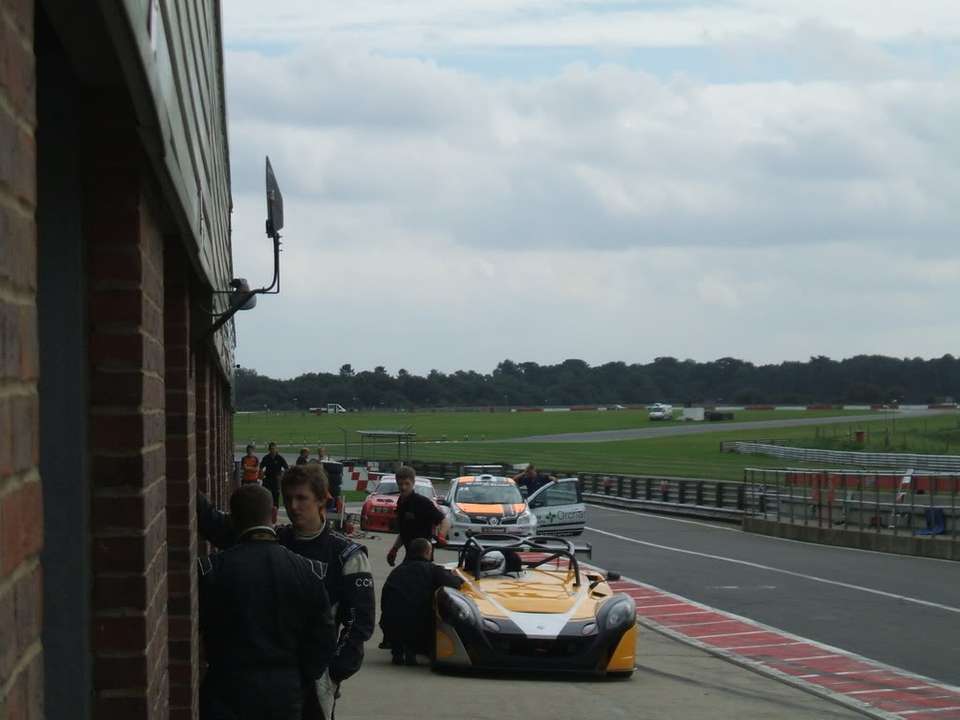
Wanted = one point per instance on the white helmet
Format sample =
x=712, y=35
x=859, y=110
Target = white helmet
x=493, y=563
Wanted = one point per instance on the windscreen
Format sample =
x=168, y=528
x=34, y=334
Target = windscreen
x=387, y=487
x=425, y=490
x=500, y=493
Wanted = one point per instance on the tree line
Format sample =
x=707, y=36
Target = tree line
x=862, y=379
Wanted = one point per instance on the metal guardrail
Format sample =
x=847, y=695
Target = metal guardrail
x=823, y=498
x=918, y=505
x=935, y=463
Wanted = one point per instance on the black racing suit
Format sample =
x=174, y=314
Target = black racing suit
x=406, y=604
x=268, y=632
x=346, y=575
x=416, y=517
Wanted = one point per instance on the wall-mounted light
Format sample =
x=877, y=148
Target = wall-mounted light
x=241, y=296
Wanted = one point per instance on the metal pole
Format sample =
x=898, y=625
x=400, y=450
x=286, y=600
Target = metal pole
x=778, y=495
x=953, y=506
x=860, y=499
x=876, y=485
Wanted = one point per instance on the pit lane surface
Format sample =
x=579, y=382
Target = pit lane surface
x=673, y=680
x=898, y=610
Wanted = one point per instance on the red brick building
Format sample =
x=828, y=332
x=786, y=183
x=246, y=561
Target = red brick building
x=115, y=402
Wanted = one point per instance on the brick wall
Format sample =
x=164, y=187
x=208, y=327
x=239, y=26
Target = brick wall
x=181, y=452
x=127, y=432
x=21, y=499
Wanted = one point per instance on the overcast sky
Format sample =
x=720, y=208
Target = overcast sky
x=471, y=180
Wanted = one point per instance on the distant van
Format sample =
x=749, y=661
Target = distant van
x=330, y=408
x=660, y=411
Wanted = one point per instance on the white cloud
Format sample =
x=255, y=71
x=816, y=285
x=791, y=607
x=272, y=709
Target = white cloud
x=442, y=219
x=432, y=25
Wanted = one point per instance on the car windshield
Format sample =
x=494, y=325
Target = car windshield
x=425, y=490
x=488, y=493
x=387, y=487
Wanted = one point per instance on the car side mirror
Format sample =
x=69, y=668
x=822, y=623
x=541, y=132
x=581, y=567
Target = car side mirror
x=613, y=576
x=536, y=503
x=442, y=501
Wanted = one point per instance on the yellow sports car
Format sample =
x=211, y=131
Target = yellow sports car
x=527, y=605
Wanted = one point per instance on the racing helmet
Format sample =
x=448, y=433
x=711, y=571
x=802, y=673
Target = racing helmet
x=493, y=563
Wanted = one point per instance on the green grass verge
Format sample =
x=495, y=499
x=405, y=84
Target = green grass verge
x=295, y=429
x=694, y=456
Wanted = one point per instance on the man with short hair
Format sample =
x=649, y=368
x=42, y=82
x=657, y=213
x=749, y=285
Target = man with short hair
x=267, y=628
x=416, y=515
x=304, y=456
x=407, y=602
x=345, y=570
x=272, y=466
x=532, y=479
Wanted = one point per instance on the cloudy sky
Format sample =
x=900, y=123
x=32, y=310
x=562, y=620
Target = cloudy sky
x=471, y=180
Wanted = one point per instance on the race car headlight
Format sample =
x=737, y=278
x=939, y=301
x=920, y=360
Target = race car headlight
x=525, y=517
x=620, y=611
x=453, y=605
x=461, y=517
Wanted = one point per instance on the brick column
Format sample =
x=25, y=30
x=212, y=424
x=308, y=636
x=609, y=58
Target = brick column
x=127, y=422
x=181, y=443
x=21, y=503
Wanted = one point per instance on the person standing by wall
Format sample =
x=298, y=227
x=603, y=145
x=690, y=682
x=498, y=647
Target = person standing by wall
x=268, y=631
x=346, y=572
x=272, y=466
x=251, y=467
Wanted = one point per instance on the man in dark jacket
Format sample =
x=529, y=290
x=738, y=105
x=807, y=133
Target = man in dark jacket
x=407, y=602
x=267, y=628
x=344, y=567
x=272, y=466
x=416, y=515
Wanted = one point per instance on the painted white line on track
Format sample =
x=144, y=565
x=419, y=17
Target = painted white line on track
x=733, y=634
x=657, y=516
x=929, y=710
x=803, y=576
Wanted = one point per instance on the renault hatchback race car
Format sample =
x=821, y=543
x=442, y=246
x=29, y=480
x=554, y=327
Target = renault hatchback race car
x=526, y=604
x=379, y=512
x=486, y=503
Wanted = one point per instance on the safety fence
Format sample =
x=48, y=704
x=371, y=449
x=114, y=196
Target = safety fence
x=924, y=505
x=933, y=463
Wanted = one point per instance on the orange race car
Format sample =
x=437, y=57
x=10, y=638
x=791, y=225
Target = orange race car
x=526, y=604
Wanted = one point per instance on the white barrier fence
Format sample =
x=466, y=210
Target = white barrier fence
x=901, y=461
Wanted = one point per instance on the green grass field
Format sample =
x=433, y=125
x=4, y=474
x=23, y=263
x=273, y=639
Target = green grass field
x=695, y=456
x=306, y=429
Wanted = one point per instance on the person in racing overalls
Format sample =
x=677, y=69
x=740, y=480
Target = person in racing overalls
x=268, y=632
x=346, y=571
x=406, y=602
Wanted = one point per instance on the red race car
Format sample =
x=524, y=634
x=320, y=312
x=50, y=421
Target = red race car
x=380, y=509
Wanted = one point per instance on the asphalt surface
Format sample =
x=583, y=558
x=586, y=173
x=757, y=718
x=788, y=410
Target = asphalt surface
x=673, y=680
x=692, y=428
x=899, y=610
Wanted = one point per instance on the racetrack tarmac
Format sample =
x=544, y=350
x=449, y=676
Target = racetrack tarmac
x=693, y=428
x=672, y=680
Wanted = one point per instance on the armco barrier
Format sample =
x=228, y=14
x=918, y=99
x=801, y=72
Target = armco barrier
x=901, y=461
